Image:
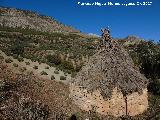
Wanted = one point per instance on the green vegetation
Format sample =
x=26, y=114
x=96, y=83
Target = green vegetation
x=23, y=69
x=146, y=55
x=52, y=77
x=27, y=63
x=15, y=65
x=73, y=74
x=9, y=60
x=46, y=67
x=35, y=67
x=44, y=73
x=53, y=59
x=17, y=48
x=62, y=78
x=154, y=86
x=20, y=59
x=30, y=44
x=56, y=72
x=1, y=57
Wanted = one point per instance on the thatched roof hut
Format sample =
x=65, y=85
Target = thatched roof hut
x=108, y=69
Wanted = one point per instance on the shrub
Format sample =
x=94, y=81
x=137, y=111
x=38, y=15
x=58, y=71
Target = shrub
x=17, y=48
x=73, y=74
x=8, y=53
x=23, y=69
x=15, y=65
x=1, y=57
x=9, y=60
x=35, y=67
x=52, y=77
x=46, y=67
x=27, y=63
x=43, y=73
x=62, y=78
x=65, y=74
x=55, y=59
x=68, y=71
x=33, y=59
x=20, y=59
x=147, y=54
x=15, y=56
x=67, y=65
x=154, y=87
x=56, y=72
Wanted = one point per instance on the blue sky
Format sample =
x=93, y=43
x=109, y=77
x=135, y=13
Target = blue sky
x=142, y=21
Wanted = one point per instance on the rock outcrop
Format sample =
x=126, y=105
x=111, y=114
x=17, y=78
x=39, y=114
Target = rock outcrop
x=110, y=84
x=10, y=17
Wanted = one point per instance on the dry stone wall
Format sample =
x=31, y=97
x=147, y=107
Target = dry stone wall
x=116, y=105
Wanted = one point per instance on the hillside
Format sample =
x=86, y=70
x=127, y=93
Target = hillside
x=11, y=17
x=67, y=50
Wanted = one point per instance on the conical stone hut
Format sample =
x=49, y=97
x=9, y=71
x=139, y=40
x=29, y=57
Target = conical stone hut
x=110, y=84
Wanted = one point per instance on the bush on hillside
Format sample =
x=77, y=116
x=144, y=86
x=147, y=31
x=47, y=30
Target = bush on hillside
x=68, y=65
x=9, y=60
x=154, y=87
x=62, y=78
x=20, y=59
x=149, y=59
x=56, y=72
x=15, y=65
x=46, y=67
x=1, y=57
x=27, y=63
x=52, y=77
x=35, y=67
x=54, y=59
x=43, y=73
x=17, y=48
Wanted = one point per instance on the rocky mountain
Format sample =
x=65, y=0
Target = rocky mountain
x=11, y=17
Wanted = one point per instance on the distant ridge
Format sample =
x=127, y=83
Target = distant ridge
x=12, y=17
